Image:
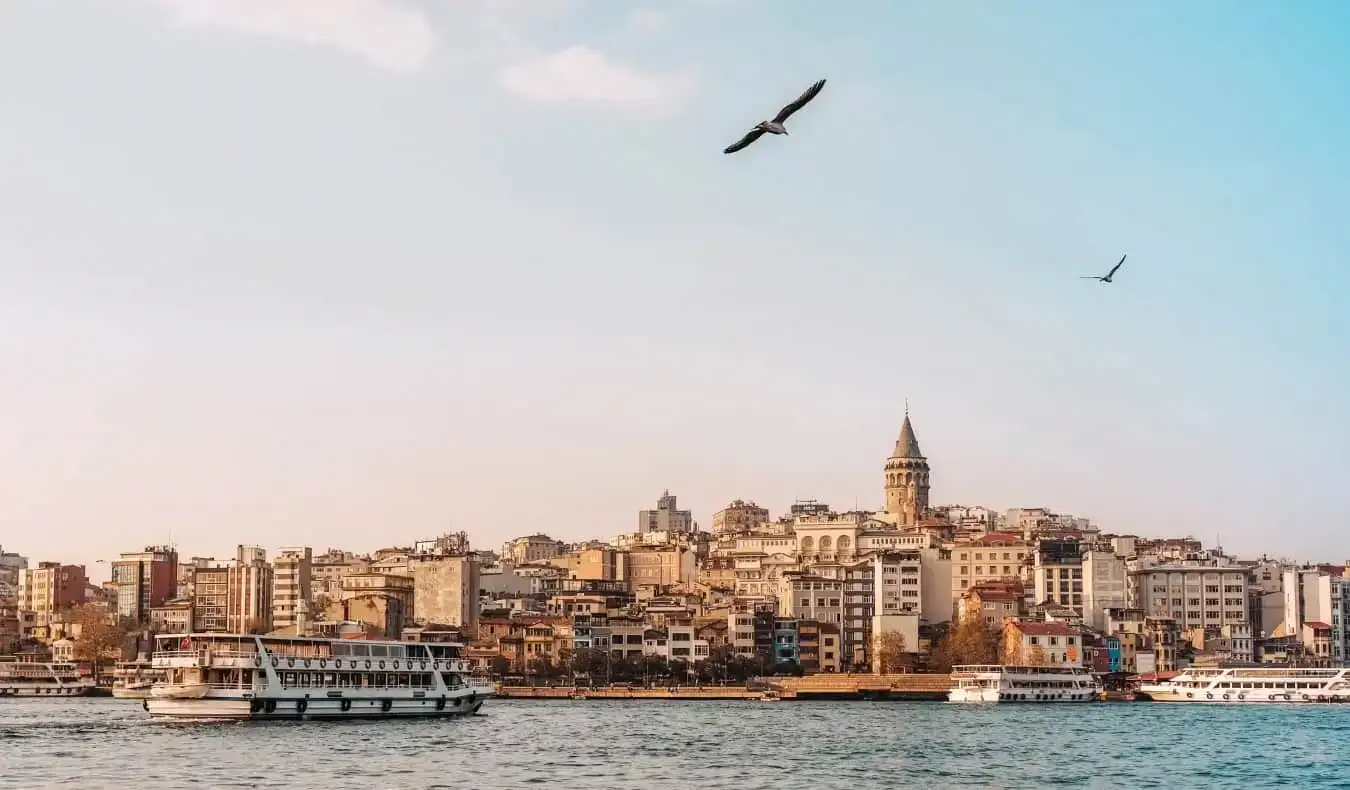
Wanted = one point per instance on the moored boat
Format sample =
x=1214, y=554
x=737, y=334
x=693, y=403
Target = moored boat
x=230, y=676
x=1253, y=684
x=42, y=679
x=133, y=679
x=1011, y=683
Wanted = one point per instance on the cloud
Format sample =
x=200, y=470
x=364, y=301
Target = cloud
x=582, y=75
x=648, y=20
x=384, y=33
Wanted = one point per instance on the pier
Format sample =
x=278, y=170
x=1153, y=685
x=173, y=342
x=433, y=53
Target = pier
x=910, y=687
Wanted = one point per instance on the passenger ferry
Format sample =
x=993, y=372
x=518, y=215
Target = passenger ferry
x=230, y=676
x=1010, y=683
x=133, y=679
x=1253, y=684
x=41, y=679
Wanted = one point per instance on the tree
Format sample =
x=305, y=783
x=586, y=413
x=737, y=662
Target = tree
x=891, y=654
x=970, y=642
x=99, y=637
x=499, y=666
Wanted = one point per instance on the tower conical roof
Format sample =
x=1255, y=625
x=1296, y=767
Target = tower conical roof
x=907, y=446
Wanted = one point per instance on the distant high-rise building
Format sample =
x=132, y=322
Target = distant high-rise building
x=667, y=517
x=145, y=579
x=292, y=588
x=249, y=604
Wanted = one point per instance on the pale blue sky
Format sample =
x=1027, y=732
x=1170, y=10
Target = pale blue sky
x=348, y=277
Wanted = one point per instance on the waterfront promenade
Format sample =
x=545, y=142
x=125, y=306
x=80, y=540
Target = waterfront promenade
x=913, y=687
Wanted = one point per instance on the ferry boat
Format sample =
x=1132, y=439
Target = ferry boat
x=1253, y=684
x=1011, y=683
x=41, y=679
x=234, y=676
x=133, y=679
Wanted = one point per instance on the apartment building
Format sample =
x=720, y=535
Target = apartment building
x=1042, y=644
x=51, y=588
x=1058, y=573
x=445, y=589
x=292, y=589
x=531, y=548
x=997, y=556
x=739, y=517
x=145, y=579
x=667, y=517
x=1319, y=596
x=1195, y=596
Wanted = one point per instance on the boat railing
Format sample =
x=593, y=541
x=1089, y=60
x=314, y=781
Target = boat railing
x=966, y=669
x=224, y=686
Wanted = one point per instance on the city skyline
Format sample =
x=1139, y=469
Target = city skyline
x=400, y=269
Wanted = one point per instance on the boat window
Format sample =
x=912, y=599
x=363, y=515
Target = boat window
x=379, y=651
x=397, y=651
x=288, y=679
x=304, y=679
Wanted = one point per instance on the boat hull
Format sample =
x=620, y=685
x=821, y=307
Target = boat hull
x=314, y=708
x=1244, y=697
x=988, y=695
x=47, y=692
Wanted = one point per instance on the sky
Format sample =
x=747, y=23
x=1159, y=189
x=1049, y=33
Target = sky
x=351, y=273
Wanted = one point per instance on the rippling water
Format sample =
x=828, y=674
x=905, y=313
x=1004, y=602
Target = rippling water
x=636, y=745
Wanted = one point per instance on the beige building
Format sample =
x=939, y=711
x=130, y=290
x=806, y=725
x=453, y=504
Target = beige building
x=667, y=517
x=907, y=479
x=531, y=548
x=50, y=588
x=292, y=589
x=995, y=557
x=445, y=589
x=803, y=596
x=739, y=517
x=382, y=601
x=596, y=563
x=249, y=604
x=660, y=566
x=172, y=617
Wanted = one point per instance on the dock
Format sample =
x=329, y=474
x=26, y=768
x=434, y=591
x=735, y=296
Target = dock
x=908, y=687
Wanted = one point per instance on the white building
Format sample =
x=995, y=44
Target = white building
x=1103, y=587
x=1196, y=596
x=1318, y=595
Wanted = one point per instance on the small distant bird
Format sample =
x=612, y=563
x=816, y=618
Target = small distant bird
x=776, y=125
x=1109, y=274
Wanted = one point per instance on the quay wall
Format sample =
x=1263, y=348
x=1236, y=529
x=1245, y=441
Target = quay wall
x=915, y=687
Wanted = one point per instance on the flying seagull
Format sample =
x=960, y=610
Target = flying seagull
x=1109, y=274
x=776, y=125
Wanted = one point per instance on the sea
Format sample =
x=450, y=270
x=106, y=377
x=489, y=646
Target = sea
x=653, y=745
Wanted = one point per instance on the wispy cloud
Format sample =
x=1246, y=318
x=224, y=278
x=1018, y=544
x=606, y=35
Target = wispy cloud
x=648, y=20
x=582, y=75
x=385, y=33
x=501, y=35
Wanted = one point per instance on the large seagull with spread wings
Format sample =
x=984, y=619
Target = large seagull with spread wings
x=776, y=125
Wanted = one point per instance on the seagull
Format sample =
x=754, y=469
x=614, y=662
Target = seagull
x=1109, y=274
x=776, y=125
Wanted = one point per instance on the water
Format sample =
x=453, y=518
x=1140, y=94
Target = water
x=635, y=745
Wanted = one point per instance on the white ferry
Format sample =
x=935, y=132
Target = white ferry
x=1253, y=684
x=1009, y=683
x=41, y=679
x=133, y=679
x=228, y=676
